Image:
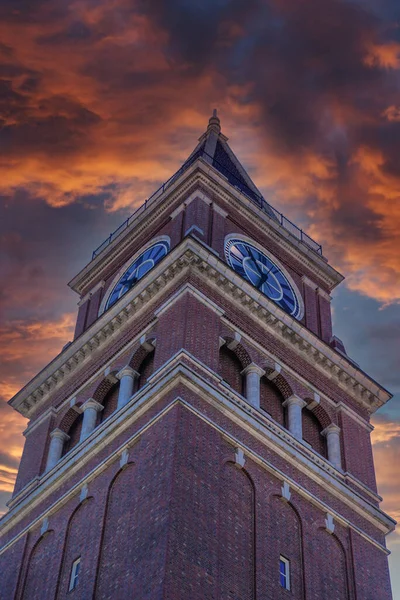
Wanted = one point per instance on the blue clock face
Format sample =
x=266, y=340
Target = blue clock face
x=137, y=270
x=263, y=273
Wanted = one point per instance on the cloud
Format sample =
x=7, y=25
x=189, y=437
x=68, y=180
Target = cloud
x=108, y=99
x=386, y=446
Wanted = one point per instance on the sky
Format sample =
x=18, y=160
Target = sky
x=101, y=101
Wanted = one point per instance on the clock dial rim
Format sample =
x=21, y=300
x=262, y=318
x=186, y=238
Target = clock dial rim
x=298, y=311
x=104, y=306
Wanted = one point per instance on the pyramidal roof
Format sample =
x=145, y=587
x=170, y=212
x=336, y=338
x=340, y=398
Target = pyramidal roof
x=213, y=147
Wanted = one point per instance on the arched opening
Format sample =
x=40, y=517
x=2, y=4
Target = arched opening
x=312, y=432
x=74, y=433
x=230, y=368
x=145, y=369
x=110, y=402
x=271, y=400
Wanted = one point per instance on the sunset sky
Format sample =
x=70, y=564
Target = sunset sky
x=101, y=101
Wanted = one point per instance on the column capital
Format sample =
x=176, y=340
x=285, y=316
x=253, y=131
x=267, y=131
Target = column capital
x=332, y=428
x=253, y=368
x=59, y=434
x=92, y=403
x=127, y=371
x=294, y=401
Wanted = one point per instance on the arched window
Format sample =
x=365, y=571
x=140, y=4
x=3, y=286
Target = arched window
x=146, y=368
x=271, y=400
x=230, y=369
x=110, y=402
x=312, y=432
x=74, y=433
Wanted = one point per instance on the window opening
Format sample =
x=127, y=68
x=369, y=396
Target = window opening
x=284, y=572
x=76, y=567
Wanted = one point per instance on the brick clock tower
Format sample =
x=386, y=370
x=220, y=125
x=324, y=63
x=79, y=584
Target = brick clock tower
x=205, y=436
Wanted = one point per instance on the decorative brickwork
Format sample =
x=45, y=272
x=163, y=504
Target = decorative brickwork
x=69, y=419
x=271, y=400
x=230, y=369
x=110, y=402
x=104, y=388
x=74, y=433
x=145, y=369
x=312, y=429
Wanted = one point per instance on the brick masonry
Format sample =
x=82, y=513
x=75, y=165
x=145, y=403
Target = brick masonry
x=159, y=506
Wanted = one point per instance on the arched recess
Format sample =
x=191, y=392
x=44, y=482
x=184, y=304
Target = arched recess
x=110, y=402
x=105, y=386
x=312, y=432
x=280, y=383
x=41, y=573
x=328, y=572
x=143, y=362
x=74, y=432
x=238, y=349
x=271, y=400
x=116, y=564
x=79, y=541
x=236, y=544
x=285, y=538
x=230, y=369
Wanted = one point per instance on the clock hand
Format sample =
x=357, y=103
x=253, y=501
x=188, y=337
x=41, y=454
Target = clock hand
x=255, y=262
x=264, y=278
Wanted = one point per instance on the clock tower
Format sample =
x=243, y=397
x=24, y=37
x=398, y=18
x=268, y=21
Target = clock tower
x=205, y=435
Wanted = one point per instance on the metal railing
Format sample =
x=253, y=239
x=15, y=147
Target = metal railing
x=243, y=188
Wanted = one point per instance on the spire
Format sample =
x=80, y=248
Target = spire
x=213, y=148
x=214, y=124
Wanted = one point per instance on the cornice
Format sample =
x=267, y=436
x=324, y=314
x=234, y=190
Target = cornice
x=205, y=177
x=179, y=371
x=214, y=392
x=191, y=254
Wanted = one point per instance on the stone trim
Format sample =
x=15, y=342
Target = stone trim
x=87, y=296
x=204, y=177
x=280, y=440
x=95, y=443
x=191, y=255
x=188, y=288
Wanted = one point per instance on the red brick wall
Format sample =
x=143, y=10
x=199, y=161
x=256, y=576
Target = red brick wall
x=146, y=369
x=179, y=519
x=285, y=538
x=110, y=402
x=42, y=567
x=74, y=433
x=271, y=400
x=312, y=432
x=311, y=319
x=197, y=214
x=357, y=450
x=236, y=539
x=328, y=575
x=35, y=454
x=81, y=540
x=230, y=369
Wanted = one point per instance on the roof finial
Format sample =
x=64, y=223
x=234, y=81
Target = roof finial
x=214, y=122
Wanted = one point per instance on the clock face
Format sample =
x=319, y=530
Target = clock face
x=263, y=273
x=141, y=265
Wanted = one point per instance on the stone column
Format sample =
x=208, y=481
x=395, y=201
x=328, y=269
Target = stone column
x=294, y=406
x=90, y=410
x=332, y=434
x=58, y=439
x=127, y=377
x=253, y=374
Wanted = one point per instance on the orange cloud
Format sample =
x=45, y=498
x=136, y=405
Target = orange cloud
x=384, y=55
